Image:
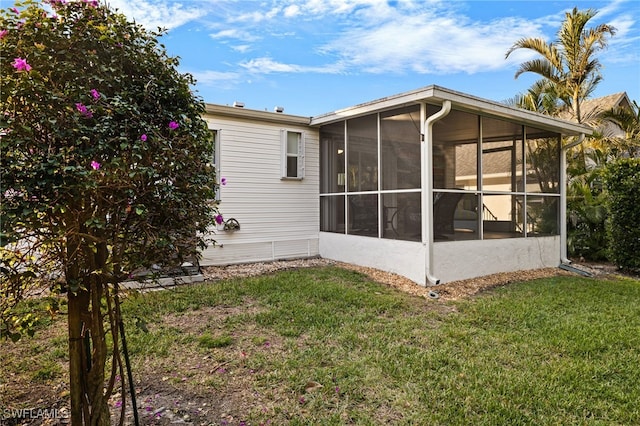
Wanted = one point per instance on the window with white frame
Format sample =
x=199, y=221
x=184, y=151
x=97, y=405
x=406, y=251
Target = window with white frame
x=216, y=161
x=292, y=154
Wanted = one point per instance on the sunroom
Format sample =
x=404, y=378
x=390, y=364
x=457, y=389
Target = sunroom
x=438, y=186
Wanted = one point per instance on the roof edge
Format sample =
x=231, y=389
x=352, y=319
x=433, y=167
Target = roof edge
x=462, y=101
x=254, y=114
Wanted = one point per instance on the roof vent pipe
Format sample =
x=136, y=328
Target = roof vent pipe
x=427, y=188
x=279, y=109
x=238, y=104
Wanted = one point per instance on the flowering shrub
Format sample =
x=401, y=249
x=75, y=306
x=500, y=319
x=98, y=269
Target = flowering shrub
x=21, y=65
x=105, y=170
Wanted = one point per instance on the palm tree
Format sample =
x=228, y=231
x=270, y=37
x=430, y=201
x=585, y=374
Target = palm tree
x=540, y=97
x=628, y=120
x=568, y=65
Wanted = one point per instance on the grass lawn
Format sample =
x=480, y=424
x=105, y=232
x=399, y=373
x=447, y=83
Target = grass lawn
x=329, y=346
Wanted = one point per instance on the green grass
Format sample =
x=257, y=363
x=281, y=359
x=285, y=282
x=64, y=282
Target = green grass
x=208, y=341
x=555, y=351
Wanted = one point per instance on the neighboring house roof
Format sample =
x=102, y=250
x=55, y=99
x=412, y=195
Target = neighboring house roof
x=467, y=164
x=591, y=108
x=594, y=106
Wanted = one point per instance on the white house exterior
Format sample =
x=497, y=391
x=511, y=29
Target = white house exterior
x=432, y=184
x=278, y=215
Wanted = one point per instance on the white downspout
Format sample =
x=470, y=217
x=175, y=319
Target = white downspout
x=427, y=189
x=564, y=260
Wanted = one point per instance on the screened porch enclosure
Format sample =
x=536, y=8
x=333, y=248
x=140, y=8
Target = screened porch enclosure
x=492, y=178
x=370, y=175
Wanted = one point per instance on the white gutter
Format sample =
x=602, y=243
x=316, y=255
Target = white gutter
x=427, y=188
x=574, y=143
x=564, y=260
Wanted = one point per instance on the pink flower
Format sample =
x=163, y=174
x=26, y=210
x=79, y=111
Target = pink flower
x=15, y=10
x=83, y=110
x=118, y=404
x=173, y=125
x=21, y=65
x=3, y=33
x=95, y=94
x=143, y=137
x=219, y=219
x=223, y=181
x=95, y=165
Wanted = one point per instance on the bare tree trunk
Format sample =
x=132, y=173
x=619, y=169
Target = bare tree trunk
x=87, y=340
x=77, y=299
x=100, y=415
x=75, y=357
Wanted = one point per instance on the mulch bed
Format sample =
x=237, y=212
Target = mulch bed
x=450, y=291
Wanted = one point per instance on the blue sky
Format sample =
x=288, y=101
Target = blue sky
x=316, y=56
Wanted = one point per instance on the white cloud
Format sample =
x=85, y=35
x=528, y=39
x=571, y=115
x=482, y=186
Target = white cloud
x=152, y=14
x=427, y=43
x=412, y=36
x=291, y=11
x=377, y=36
x=241, y=48
x=235, y=33
x=320, y=7
x=624, y=25
x=266, y=65
x=611, y=8
x=256, y=16
x=623, y=46
x=222, y=80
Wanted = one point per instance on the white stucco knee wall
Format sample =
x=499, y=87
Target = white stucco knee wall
x=404, y=258
x=458, y=260
x=453, y=260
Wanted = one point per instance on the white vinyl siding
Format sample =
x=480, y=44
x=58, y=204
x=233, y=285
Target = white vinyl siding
x=278, y=217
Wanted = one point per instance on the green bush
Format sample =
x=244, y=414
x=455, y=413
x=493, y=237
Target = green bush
x=587, y=211
x=622, y=180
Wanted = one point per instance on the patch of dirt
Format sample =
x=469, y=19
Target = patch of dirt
x=261, y=268
x=192, y=321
